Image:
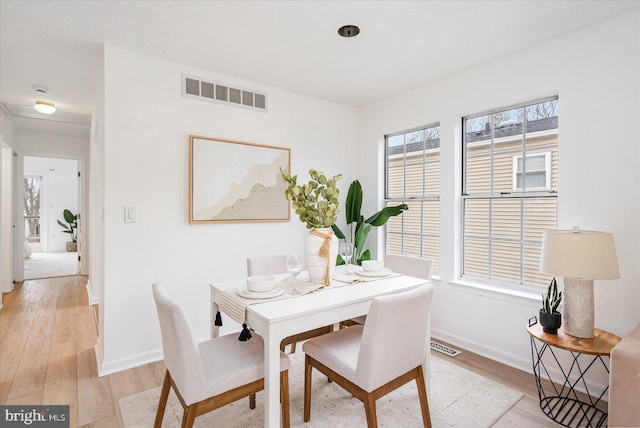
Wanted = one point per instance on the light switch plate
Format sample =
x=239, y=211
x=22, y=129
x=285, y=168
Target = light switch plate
x=130, y=215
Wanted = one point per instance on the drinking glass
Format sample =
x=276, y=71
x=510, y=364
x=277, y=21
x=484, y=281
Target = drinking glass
x=294, y=266
x=346, y=252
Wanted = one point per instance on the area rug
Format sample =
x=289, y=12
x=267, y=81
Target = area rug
x=47, y=265
x=457, y=398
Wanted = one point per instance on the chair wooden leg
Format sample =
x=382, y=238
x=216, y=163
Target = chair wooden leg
x=252, y=401
x=284, y=398
x=189, y=415
x=424, y=400
x=162, y=404
x=307, y=389
x=370, y=410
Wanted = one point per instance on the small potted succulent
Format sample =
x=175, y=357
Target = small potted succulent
x=316, y=204
x=550, y=318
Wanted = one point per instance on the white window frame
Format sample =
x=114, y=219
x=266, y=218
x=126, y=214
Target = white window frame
x=494, y=195
x=405, y=199
x=524, y=172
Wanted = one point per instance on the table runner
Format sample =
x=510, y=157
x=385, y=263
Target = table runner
x=235, y=306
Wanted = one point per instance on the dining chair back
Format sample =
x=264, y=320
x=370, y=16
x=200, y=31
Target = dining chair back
x=409, y=265
x=181, y=353
x=266, y=265
x=208, y=375
x=372, y=360
x=389, y=345
x=269, y=265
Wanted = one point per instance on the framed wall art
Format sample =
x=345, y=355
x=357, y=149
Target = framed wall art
x=234, y=181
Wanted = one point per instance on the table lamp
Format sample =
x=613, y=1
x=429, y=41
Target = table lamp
x=579, y=257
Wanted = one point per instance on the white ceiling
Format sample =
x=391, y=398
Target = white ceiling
x=288, y=44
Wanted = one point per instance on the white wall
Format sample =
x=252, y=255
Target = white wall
x=62, y=146
x=147, y=124
x=596, y=73
x=59, y=192
x=95, y=211
x=8, y=146
x=8, y=131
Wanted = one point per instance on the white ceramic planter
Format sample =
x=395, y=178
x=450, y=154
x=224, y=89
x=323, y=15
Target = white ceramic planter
x=316, y=264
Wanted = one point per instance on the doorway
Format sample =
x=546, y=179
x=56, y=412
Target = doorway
x=51, y=205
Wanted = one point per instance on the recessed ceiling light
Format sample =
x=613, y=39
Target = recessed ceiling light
x=349, y=30
x=44, y=107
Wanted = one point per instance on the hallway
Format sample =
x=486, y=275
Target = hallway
x=47, y=335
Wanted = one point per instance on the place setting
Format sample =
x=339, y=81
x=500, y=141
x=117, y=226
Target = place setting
x=259, y=287
x=370, y=270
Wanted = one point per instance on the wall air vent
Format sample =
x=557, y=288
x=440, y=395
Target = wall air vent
x=203, y=90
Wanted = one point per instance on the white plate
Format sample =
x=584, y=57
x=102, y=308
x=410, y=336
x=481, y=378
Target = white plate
x=383, y=272
x=278, y=291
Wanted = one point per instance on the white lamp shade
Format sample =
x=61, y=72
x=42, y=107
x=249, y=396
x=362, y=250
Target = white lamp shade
x=579, y=254
x=44, y=107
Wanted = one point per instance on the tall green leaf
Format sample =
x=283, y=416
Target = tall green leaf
x=337, y=231
x=353, y=204
x=381, y=217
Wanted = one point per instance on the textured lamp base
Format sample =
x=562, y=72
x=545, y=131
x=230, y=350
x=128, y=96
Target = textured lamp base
x=578, y=307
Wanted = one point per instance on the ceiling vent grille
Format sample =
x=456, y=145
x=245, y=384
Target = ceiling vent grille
x=195, y=87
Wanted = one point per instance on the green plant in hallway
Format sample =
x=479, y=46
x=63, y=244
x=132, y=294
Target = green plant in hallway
x=359, y=228
x=71, y=228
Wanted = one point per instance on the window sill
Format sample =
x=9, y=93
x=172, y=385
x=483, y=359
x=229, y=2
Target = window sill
x=524, y=297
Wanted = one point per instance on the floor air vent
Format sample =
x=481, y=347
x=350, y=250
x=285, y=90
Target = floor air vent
x=444, y=349
x=203, y=90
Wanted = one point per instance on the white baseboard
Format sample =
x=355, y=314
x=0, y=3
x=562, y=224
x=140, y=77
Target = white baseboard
x=107, y=368
x=490, y=352
x=97, y=349
x=512, y=360
x=93, y=300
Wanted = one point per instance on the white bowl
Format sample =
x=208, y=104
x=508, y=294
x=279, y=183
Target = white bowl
x=261, y=283
x=372, y=265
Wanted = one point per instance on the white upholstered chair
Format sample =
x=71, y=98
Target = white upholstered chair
x=266, y=265
x=211, y=374
x=372, y=360
x=270, y=265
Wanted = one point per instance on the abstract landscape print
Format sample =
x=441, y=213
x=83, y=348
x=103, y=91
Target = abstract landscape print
x=235, y=181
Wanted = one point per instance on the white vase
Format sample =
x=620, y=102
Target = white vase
x=318, y=265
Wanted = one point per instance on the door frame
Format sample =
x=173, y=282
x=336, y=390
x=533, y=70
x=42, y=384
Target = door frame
x=18, y=212
x=7, y=215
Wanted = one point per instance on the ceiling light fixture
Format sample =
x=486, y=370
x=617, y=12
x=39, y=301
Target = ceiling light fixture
x=44, y=107
x=349, y=30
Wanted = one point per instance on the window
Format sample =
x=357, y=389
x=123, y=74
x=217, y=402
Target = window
x=509, y=195
x=412, y=172
x=535, y=173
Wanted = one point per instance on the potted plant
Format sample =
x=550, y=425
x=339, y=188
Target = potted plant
x=358, y=233
x=71, y=228
x=316, y=204
x=550, y=318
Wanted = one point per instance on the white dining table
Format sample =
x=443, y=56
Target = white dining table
x=275, y=320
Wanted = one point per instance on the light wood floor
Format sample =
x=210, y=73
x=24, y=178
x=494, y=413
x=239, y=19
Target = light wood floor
x=47, y=333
